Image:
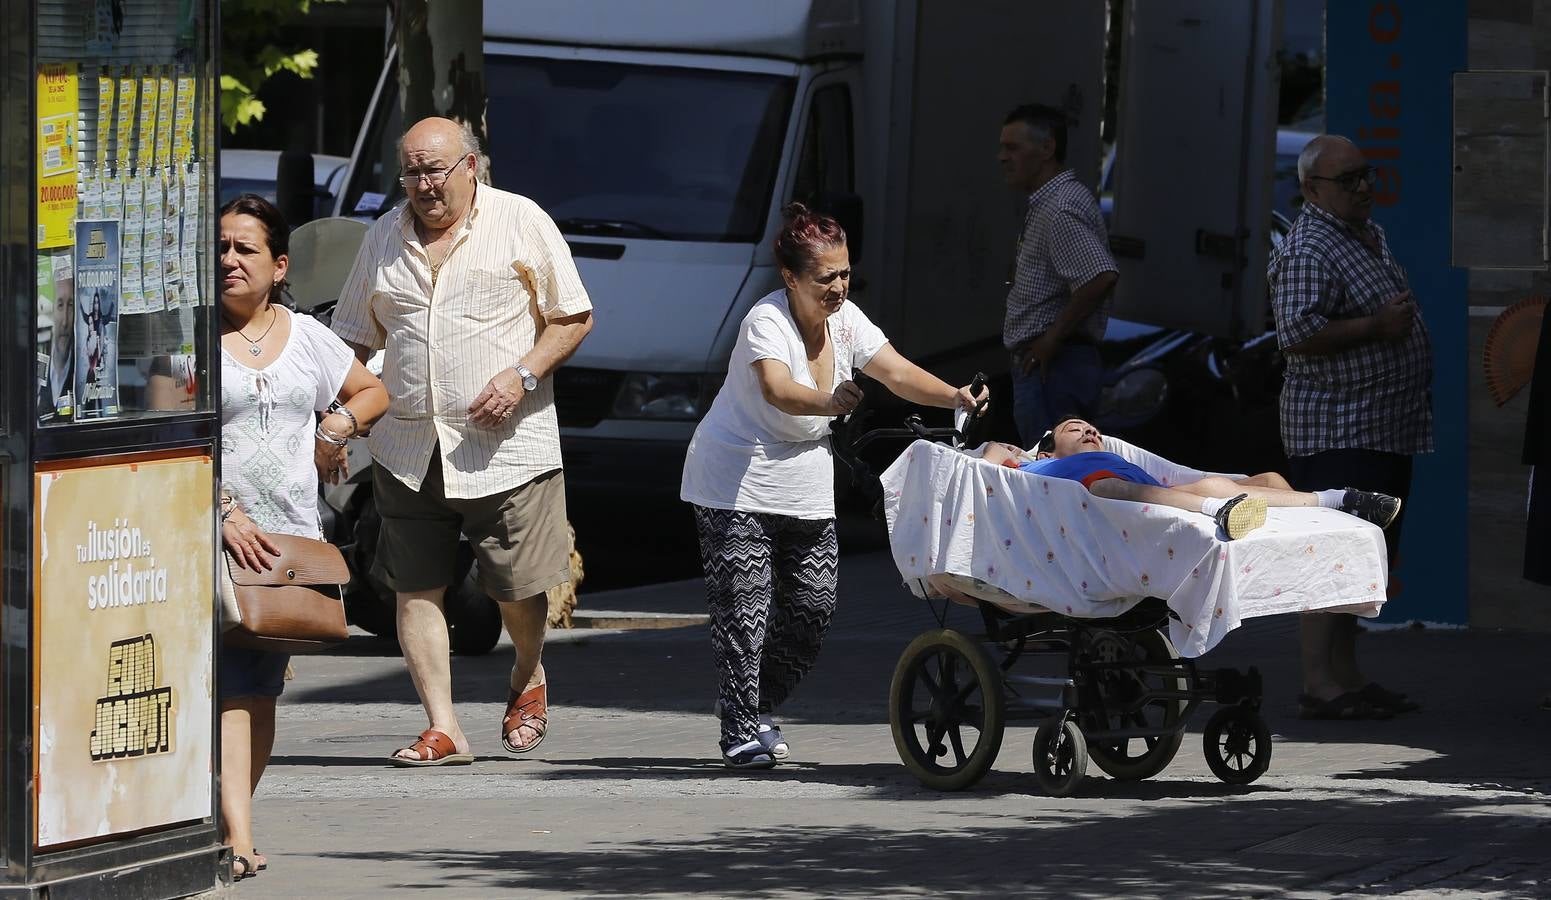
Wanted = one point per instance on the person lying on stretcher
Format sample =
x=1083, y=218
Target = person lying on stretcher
x=1074, y=450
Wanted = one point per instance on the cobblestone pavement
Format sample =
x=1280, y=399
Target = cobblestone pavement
x=626, y=797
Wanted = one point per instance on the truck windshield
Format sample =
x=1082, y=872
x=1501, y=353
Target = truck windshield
x=624, y=150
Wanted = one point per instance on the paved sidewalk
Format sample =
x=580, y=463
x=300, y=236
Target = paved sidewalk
x=626, y=798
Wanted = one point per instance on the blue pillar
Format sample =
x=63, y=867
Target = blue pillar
x=1389, y=66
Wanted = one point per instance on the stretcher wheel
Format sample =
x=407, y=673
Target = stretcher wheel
x=946, y=710
x=1136, y=758
x=1060, y=757
x=1238, y=744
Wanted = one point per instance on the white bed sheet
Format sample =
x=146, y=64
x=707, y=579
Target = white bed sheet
x=1029, y=543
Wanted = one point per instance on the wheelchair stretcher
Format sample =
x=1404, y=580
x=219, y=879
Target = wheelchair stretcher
x=1114, y=633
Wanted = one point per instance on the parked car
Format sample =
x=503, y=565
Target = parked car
x=254, y=172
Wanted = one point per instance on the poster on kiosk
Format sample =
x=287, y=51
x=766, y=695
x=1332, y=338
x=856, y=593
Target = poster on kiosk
x=123, y=621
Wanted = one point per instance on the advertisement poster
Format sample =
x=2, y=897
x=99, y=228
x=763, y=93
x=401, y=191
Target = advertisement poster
x=58, y=106
x=164, y=102
x=104, y=124
x=193, y=283
x=172, y=257
x=124, y=122
x=183, y=120
x=123, y=618
x=91, y=197
x=131, y=283
x=56, y=334
x=145, y=142
x=151, y=290
x=96, y=319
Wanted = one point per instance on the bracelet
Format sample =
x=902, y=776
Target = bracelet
x=327, y=438
x=342, y=409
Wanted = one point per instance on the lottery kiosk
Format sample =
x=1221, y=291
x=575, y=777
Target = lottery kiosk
x=108, y=448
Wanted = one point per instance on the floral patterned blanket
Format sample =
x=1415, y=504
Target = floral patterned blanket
x=1026, y=542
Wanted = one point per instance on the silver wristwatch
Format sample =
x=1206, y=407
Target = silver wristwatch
x=530, y=381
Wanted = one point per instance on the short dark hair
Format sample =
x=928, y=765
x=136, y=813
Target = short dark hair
x=277, y=232
x=1045, y=119
x=804, y=235
x=1047, y=443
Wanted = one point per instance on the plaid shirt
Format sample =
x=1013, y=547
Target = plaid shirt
x=1372, y=396
x=1062, y=247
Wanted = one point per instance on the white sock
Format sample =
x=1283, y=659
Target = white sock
x=1211, y=505
x=1331, y=499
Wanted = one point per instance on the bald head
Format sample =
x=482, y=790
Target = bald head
x=1308, y=160
x=442, y=132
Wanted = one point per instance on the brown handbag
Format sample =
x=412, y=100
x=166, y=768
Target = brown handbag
x=296, y=606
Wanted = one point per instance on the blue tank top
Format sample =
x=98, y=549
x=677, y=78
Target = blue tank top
x=1095, y=465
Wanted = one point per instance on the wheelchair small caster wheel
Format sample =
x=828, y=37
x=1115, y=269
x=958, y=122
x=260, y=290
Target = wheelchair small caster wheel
x=1238, y=744
x=1060, y=757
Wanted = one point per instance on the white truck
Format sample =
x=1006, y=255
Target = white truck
x=663, y=136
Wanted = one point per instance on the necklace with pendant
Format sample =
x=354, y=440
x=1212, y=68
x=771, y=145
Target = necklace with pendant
x=253, y=345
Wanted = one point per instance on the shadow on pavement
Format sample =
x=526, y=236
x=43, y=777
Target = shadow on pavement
x=1330, y=845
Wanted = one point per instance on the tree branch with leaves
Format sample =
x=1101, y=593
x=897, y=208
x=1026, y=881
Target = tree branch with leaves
x=253, y=49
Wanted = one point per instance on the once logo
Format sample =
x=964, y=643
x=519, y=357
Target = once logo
x=135, y=718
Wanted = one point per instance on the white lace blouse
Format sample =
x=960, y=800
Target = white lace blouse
x=267, y=423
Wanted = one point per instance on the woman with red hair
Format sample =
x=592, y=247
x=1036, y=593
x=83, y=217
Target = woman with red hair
x=761, y=480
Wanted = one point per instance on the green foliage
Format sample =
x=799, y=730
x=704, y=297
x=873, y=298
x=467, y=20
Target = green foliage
x=251, y=32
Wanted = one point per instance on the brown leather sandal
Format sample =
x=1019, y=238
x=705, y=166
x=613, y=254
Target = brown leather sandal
x=531, y=709
x=433, y=749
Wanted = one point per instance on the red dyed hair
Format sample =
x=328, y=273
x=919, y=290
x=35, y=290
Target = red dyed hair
x=804, y=236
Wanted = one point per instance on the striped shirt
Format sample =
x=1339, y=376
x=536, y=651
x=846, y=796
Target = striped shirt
x=1063, y=246
x=1372, y=396
x=507, y=272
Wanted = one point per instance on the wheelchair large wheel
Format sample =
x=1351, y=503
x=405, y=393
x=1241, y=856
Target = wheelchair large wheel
x=1135, y=758
x=946, y=710
x=1060, y=757
x=1238, y=744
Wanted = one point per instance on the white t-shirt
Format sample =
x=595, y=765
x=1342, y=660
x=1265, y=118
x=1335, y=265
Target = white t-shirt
x=267, y=425
x=749, y=456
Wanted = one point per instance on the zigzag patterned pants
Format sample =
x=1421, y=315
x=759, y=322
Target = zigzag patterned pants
x=770, y=583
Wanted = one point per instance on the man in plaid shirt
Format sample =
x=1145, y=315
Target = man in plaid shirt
x=1357, y=402
x=1062, y=275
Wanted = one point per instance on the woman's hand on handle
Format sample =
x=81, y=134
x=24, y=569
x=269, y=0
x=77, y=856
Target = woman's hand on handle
x=845, y=398
x=971, y=401
x=247, y=542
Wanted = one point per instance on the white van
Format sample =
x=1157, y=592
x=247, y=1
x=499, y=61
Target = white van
x=663, y=136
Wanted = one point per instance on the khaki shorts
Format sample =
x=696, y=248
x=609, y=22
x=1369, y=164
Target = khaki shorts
x=518, y=536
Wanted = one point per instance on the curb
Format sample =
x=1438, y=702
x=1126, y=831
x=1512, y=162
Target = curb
x=631, y=621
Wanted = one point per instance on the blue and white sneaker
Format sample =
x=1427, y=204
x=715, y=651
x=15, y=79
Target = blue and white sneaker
x=748, y=755
x=770, y=738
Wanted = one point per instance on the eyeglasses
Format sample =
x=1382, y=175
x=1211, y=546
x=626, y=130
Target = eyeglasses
x=1348, y=181
x=434, y=179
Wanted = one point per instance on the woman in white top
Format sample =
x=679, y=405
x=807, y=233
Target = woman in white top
x=278, y=371
x=761, y=481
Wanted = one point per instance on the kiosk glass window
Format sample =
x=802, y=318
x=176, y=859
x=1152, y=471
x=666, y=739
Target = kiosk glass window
x=125, y=158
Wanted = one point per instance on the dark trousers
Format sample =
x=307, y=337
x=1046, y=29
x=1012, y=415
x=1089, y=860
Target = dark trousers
x=1365, y=470
x=770, y=583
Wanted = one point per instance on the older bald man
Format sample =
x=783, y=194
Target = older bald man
x=1357, y=401
x=474, y=295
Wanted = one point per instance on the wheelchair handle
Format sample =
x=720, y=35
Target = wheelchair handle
x=962, y=417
